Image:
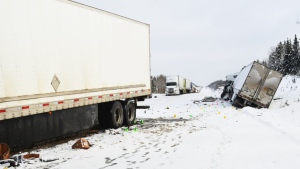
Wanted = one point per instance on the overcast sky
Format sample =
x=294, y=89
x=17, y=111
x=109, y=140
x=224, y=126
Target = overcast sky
x=206, y=40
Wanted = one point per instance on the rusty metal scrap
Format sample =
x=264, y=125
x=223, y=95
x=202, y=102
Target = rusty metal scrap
x=31, y=156
x=4, y=151
x=81, y=144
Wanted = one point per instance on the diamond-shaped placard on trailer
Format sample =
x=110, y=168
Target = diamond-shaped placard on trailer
x=55, y=82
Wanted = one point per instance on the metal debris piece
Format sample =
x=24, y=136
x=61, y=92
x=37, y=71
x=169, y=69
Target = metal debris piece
x=4, y=151
x=196, y=101
x=48, y=159
x=82, y=144
x=209, y=99
x=143, y=107
x=11, y=162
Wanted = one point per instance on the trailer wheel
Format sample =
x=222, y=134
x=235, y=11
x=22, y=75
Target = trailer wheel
x=116, y=115
x=129, y=113
x=237, y=102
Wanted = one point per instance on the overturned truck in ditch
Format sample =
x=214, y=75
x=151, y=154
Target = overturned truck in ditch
x=254, y=86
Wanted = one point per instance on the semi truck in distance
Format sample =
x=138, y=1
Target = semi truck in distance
x=254, y=86
x=176, y=85
x=66, y=67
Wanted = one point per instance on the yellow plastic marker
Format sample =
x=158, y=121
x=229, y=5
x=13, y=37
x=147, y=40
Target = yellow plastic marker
x=219, y=113
x=224, y=117
x=174, y=115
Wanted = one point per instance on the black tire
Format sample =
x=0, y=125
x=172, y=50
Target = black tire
x=129, y=113
x=116, y=115
x=223, y=94
x=237, y=102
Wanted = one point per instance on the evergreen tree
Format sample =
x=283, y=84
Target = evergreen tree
x=295, y=59
x=272, y=59
x=264, y=62
x=287, y=59
x=277, y=58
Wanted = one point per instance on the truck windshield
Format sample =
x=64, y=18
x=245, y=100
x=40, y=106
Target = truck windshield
x=171, y=84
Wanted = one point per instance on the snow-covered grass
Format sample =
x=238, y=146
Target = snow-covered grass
x=180, y=133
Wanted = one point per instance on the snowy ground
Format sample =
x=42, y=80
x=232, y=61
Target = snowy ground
x=178, y=133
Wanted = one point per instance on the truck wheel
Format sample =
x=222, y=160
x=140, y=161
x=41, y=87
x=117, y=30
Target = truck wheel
x=129, y=113
x=237, y=102
x=116, y=115
x=223, y=94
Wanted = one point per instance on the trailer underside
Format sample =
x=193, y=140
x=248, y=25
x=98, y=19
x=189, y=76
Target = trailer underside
x=19, y=132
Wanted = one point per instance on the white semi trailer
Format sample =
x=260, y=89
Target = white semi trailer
x=254, y=86
x=188, y=86
x=176, y=85
x=66, y=67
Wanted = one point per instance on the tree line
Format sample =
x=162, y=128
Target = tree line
x=158, y=84
x=285, y=57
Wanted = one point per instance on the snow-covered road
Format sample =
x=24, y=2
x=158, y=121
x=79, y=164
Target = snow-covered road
x=178, y=133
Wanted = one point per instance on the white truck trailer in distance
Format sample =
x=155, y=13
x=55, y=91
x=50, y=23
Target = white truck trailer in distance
x=176, y=85
x=188, y=85
x=66, y=67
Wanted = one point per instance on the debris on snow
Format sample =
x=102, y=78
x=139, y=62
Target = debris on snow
x=81, y=144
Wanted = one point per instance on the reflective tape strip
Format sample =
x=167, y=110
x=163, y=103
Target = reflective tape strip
x=25, y=107
x=58, y=105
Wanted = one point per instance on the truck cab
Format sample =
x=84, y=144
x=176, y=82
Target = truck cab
x=172, y=86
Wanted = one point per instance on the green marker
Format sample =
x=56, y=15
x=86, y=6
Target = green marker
x=126, y=129
x=142, y=121
x=191, y=116
x=135, y=129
